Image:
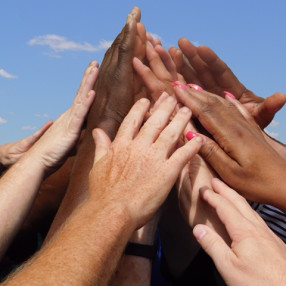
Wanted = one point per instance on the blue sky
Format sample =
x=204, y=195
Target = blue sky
x=46, y=46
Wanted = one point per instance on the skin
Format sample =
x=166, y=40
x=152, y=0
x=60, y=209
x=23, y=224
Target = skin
x=256, y=255
x=120, y=184
x=115, y=90
x=200, y=65
x=10, y=153
x=254, y=168
x=49, y=152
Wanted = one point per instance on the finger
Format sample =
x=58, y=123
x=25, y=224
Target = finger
x=136, y=14
x=150, y=80
x=140, y=44
x=82, y=103
x=92, y=65
x=88, y=82
x=171, y=134
x=158, y=102
x=268, y=109
x=241, y=108
x=156, y=63
x=232, y=196
x=214, y=246
x=222, y=74
x=133, y=120
x=127, y=45
x=167, y=61
x=201, y=68
x=234, y=221
x=102, y=143
x=184, y=67
x=182, y=156
x=221, y=162
x=157, y=121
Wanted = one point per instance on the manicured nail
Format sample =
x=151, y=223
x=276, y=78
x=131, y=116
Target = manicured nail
x=191, y=135
x=229, y=94
x=178, y=84
x=195, y=86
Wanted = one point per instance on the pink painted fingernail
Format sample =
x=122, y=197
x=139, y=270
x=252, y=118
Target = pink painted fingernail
x=179, y=84
x=229, y=94
x=191, y=135
x=195, y=86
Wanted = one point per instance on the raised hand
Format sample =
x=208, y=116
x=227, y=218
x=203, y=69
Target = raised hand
x=205, y=68
x=139, y=168
x=256, y=255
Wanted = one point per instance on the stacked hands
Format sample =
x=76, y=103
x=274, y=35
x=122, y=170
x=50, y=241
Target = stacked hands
x=156, y=119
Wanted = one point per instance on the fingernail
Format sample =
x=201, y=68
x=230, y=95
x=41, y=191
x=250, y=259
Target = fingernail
x=178, y=84
x=185, y=109
x=129, y=18
x=191, y=135
x=229, y=94
x=195, y=86
x=89, y=94
x=199, y=233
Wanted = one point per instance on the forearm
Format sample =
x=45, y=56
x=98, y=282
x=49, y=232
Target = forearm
x=133, y=269
x=85, y=251
x=18, y=190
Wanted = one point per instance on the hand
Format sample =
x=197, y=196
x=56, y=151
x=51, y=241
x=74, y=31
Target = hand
x=10, y=153
x=116, y=84
x=240, y=154
x=256, y=255
x=209, y=71
x=53, y=147
x=160, y=74
x=139, y=168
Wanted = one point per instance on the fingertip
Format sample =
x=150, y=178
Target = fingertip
x=199, y=232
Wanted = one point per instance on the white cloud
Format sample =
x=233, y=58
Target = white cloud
x=5, y=74
x=29, y=127
x=156, y=37
x=42, y=115
x=272, y=134
x=196, y=43
x=3, y=121
x=60, y=44
x=273, y=124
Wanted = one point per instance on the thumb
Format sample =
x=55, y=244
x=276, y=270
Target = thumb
x=214, y=246
x=102, y=143
x=269, y=108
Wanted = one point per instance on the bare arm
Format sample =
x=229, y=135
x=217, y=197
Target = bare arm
x=20, y=184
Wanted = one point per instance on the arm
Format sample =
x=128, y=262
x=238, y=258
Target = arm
x=256, y=255
x=88, y=247
x=133, y=269
x=20, y=184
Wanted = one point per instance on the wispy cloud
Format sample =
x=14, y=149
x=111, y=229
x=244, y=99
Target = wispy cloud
x=156, y=37
x=29, y=127
x=3, y=121
x=60, y=44
x=42, y=115
x=273, y=124
x=272, y=134
x=5, y=74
